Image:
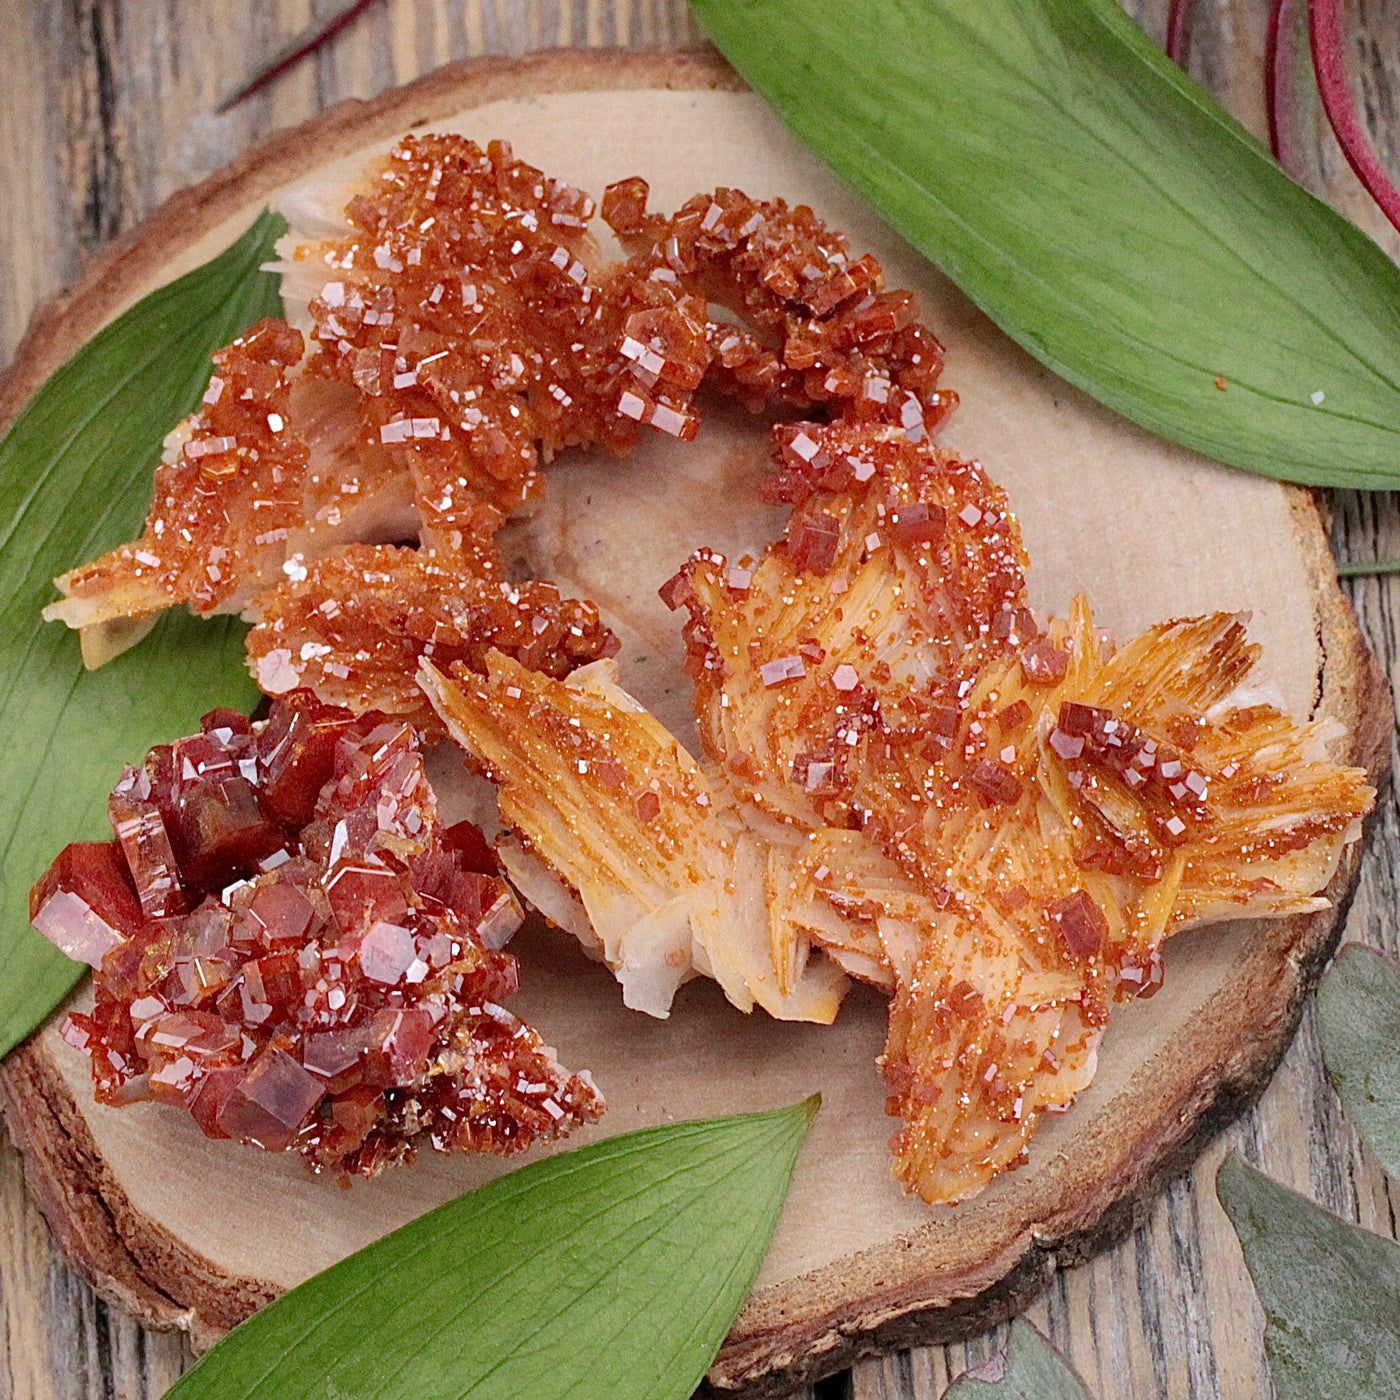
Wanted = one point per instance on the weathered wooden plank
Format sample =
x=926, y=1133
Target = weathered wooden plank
x=60, y=1341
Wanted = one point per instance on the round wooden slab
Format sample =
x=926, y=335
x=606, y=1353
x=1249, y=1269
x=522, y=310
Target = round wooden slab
x=192, y=1233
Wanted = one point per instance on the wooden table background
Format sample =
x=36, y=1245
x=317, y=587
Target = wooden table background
x=105, y=109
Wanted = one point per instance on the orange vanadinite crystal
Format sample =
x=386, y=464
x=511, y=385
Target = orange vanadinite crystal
x=463, y=331
x=472, y=311
x=287, y=943
x=240, y=447
x=354, y=628
x=841, y=339
x=900, y=571
x=463, y=309
x=908, y=780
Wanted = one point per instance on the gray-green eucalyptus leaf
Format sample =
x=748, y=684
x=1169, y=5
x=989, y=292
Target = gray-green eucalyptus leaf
x=1358, y=1022
x=1105, y=212
x=608, y=1273
x=1330, y=1290
x=75, y=480
x=1029, y=1369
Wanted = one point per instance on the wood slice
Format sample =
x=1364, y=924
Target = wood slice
x=187, y=1232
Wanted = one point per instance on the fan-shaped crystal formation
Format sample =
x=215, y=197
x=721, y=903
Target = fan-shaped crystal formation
x=909, y=780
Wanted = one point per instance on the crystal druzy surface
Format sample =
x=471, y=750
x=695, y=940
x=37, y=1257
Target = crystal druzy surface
x=290, y=945
x=907, y=777
x=464, y=330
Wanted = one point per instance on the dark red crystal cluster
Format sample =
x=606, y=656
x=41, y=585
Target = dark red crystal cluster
x=288, y=943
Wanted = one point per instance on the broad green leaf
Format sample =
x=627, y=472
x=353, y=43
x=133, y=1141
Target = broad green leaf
x=1358, y=1022
x=75, y=480
x=1029, y=1369
x=1105, y=212
x=607, y=1273
x=1330, y=1290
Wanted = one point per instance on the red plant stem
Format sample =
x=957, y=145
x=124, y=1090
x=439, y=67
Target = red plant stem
x=1325, y=30
x=1280, y=85
x=308, y=41
x=1179, y=30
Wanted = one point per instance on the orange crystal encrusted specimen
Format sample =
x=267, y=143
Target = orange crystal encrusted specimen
x=910, y=780
x=899, y=561
x=241, y=448
x=353, y=629
x=289, y=944
x=463, y=331
x=464, y=308
x=821, y=328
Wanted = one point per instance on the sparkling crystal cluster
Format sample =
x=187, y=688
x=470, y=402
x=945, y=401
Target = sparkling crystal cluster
x=289, y=944
x=463, y=330
x=906, y=777
x=911, y=780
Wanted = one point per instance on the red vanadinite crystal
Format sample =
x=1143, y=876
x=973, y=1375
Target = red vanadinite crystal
x=85, y=904
x=1043, y=663
x=1081, y=923
x=289, y=944
x=995, y=783
x=813, y=539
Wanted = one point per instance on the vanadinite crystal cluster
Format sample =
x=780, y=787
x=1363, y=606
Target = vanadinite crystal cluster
x=289, y=943
x=905, y=776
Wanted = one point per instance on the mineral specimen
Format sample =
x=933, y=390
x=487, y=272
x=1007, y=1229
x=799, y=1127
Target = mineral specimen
x=289, y=944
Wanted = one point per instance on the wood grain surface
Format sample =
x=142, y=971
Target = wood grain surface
x=105, y=110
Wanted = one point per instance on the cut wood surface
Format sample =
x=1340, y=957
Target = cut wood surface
x=1168, y=1312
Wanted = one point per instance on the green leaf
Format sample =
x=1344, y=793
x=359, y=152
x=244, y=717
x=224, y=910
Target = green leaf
x=1358, y=1022
x=1366, y=568
x=1331, y=1291
x=75, y=480
x=607, y=1273
x=1029, y=1369
x=1105, y=212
